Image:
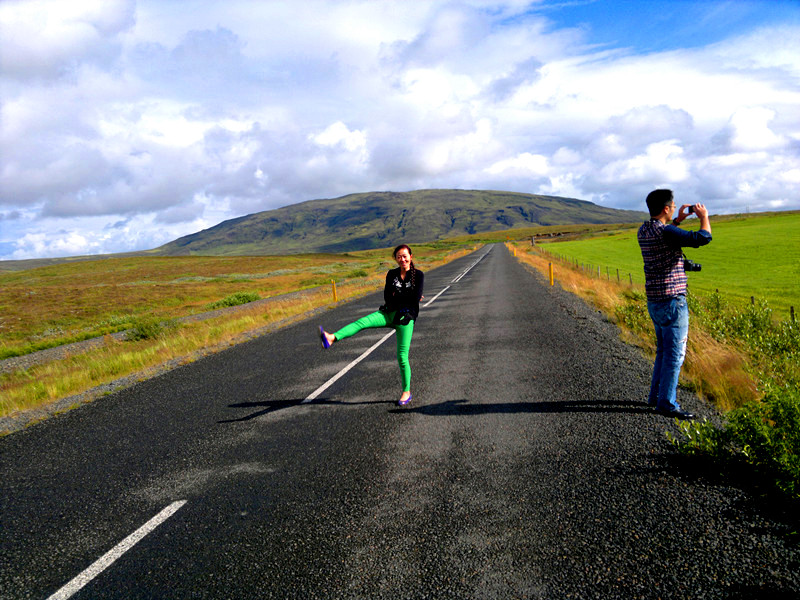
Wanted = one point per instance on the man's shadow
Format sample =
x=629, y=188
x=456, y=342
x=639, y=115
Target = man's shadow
x=464, y=407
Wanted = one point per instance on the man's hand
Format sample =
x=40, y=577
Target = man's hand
x=700, y=210
x=702, y=213
x=682, y=213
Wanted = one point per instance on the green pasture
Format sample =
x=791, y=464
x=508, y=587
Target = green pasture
x=751, y=255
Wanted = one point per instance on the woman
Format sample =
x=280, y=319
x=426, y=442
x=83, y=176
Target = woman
x=401, y=294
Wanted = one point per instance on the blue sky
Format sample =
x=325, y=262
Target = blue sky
x=125, y=124
x=659, y=25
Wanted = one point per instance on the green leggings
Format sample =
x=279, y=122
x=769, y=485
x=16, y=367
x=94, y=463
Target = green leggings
x=379, y=319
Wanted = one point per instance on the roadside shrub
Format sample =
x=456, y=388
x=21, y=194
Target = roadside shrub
x=773, y=347
x=632, y=313
x=149, y=329
x=753, y=325
x=701, y=438
x=763, y=434
x=236, y=299
x=356, y=273
x=767, y=434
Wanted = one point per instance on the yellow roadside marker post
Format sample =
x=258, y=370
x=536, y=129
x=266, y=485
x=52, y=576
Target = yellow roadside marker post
x=551, y=273
x=334, y=290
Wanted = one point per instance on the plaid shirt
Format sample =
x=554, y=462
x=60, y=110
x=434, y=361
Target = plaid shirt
x=663, y=258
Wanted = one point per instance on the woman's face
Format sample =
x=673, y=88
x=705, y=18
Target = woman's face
x=403, y=258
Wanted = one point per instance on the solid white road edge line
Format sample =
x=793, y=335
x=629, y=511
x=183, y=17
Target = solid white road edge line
x=469, y=268
x=435, y=297
x=333, y=379
x=112, y=555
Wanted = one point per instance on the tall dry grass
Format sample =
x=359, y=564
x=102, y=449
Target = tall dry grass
x=718, y=372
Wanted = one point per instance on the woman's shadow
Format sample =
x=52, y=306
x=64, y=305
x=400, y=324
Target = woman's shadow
x=269, y=406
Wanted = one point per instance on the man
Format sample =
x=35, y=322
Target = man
x=665, y=283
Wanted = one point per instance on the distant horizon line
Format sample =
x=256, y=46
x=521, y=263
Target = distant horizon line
x=132, y=253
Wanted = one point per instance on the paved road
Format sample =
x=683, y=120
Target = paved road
x=527, y=466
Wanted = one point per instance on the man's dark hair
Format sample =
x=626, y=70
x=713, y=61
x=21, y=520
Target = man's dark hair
x=657, y=200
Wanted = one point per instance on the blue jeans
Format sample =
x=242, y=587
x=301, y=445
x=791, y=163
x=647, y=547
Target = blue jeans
x=671, y=320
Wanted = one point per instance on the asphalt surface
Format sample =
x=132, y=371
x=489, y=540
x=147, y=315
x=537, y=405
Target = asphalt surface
x=527, y=466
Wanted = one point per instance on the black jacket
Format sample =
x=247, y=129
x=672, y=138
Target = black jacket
x=399, y=295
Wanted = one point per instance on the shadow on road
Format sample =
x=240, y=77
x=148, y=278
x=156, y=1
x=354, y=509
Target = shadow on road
x=464, y=407
x=268, y=406
x=458, y=407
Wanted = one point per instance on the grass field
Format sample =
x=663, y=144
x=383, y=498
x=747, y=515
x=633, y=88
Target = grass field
x=757, y=255
x=62, y=303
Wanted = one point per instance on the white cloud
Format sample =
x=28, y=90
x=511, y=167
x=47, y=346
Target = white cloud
x=749, y=130
x=662, y=163
x=525, y=164
x=68, y=243
x=124, y=125
x=45, y=38
x=338, y=135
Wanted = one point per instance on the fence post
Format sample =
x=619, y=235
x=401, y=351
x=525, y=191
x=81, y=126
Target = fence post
x=335, y=299
x=791, y=312
x=630, y=277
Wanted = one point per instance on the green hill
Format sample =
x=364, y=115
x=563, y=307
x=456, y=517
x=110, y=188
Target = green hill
x=382, y=219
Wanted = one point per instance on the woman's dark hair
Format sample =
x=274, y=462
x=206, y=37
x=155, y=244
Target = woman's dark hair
x=400, y=247
x=657, y=200
x=413, y=268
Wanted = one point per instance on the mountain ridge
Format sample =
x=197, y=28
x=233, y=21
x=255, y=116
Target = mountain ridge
x=379, y=219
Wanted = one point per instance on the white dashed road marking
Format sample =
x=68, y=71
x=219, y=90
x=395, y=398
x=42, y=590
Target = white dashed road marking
x=112, y=555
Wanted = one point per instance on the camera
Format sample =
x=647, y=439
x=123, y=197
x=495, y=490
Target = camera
x=689, y=211
x=689, y=265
